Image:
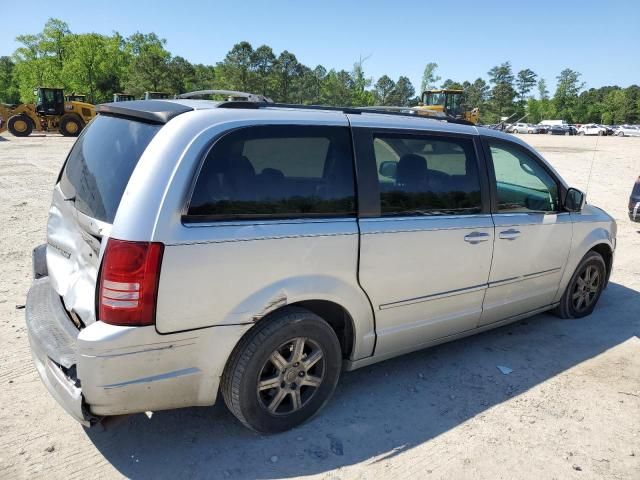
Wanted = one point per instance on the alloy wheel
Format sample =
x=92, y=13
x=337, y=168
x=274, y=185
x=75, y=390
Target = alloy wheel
x=586, y=288
x=291, y=376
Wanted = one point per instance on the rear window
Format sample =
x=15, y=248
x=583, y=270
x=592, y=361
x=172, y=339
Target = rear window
x=285, y=171
x=101, y=162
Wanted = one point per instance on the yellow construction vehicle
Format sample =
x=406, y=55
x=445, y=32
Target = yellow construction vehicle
x=447, y=102
x=49, y=113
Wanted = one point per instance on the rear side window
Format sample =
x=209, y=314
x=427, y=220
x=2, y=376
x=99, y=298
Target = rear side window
x=101, y=162
x=427, y=175
x=279, y=171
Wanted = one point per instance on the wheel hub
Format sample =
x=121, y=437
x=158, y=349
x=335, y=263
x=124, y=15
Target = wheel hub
x=291, y=376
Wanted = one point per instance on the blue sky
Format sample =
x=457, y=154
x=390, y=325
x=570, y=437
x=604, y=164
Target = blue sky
x=599, y=39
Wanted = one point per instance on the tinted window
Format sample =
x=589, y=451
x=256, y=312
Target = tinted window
x=101, y=162
x=421, y=175
x=278, y=172
x=523, y=185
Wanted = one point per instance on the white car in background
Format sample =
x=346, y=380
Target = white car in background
x=523, y=128
x=592, y=129
x=627, y=131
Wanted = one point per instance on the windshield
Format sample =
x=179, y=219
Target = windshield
x=100, y=163
x=451, y=101
x=430, y=98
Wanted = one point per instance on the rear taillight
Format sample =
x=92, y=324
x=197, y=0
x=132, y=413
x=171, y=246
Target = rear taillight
x=128, y=284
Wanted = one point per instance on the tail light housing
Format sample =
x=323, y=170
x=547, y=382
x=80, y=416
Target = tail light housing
x=128, y=286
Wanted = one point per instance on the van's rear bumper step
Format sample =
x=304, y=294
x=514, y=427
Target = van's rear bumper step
x=53, y=337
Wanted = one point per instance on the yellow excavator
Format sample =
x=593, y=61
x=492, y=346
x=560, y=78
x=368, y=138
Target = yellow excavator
x=50, y=113
x=446, y=102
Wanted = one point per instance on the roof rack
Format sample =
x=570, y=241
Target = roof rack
x=232, y=95
x=400, y=111
x=244, y=100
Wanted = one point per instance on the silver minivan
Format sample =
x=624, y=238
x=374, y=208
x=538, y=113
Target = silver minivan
x=258, y=250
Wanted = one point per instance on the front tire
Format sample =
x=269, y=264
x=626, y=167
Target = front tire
x=585, y=287
x=283, y=371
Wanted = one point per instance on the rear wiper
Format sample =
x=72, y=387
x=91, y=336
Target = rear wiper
x=70, y=199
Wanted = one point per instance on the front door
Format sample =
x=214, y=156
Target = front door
x=425, y=249
x=532, y=234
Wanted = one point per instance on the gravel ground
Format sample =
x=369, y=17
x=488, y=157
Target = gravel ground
x=570, y=408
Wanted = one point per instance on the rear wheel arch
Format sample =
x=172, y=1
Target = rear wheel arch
x=337, y=316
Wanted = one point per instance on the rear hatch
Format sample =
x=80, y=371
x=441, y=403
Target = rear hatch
x=85, y=200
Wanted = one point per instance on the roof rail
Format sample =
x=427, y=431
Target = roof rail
x=232, y=95
x=401, y=111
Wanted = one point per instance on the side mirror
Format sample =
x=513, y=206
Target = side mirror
x=388, y=169
x=575, y=200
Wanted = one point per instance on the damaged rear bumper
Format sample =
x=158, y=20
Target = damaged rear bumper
x=53, y=337
x=104, y=370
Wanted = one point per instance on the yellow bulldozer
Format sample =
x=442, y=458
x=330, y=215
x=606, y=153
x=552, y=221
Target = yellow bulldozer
x=446, y=102
x=50, y=113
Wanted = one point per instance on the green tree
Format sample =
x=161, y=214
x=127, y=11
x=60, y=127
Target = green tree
x=180, y=75
x=337, y=88
x=383, y=90
x=402, y=93
x=262, y=63
x=53, y=40
x=526, y=80
x=236, y=67
x=452, y=84
x=319, y=75
x=149, y=66
x=543, y=92
x=286, y=69
x=204, y=78
x=9, y=91
x=429, y=77
x=502, y=93
x=361, y=96
x=566, y=96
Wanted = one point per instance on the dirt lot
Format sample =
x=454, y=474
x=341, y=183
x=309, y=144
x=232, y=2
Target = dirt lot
x=570, y=409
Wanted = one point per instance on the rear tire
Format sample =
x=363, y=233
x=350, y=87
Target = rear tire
x=20, y=126
x=283, y=371
x=584, y=289
x=70, y=126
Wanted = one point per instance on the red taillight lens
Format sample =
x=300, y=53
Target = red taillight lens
x=129, y=282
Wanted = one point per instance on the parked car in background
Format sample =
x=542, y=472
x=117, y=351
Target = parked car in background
x=524, y=128
x=542, y=128
x=627, y=131
x=634, y=202
x=592, y=129
x=560, y=130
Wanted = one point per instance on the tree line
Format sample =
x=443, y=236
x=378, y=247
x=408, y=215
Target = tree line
x=100, y=65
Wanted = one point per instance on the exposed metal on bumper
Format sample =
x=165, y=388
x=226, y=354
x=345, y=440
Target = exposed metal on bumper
x=53, y=336
x=105, y=370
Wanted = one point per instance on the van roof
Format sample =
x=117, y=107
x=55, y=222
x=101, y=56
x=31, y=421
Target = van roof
x=162, y=110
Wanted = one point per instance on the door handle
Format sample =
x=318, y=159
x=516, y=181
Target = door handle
x=510, y=234
x=476, y=237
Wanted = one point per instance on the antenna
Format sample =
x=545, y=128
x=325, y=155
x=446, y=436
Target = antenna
x=593, y=159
